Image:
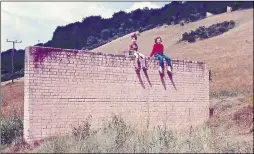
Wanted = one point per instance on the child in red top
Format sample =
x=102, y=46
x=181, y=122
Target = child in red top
x=134, y=51
x=157, y=51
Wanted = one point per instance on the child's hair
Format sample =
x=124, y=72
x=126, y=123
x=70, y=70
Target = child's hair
x=134, y=36
x=155, y=40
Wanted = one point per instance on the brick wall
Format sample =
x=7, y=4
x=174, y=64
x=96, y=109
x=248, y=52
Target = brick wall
x=64, y=87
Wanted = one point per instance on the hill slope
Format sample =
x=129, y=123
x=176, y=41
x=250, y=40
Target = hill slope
x=229, y=56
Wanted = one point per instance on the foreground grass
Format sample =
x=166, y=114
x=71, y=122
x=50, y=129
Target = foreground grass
x=11, y=129
x=117, y=136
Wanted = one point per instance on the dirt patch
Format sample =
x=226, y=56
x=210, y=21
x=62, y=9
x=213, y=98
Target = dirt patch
x=244, y=116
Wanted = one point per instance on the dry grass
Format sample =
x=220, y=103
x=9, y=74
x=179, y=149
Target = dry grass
x=117, y=136
x=233, y=112
x=12, y=98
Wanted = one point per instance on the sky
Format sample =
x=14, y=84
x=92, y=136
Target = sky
x=33, y=22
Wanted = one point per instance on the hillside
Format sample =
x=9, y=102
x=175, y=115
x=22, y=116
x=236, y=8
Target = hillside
x=229, y=56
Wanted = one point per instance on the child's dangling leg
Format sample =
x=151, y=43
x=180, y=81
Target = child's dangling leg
x=161, y=62
x=137, y=61
x=168, y=60
x=142, y=61
x=170, y=68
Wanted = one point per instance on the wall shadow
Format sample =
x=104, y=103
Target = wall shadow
x=171, y=79
x=140, y=79
x=147, y=77
x=162, y=80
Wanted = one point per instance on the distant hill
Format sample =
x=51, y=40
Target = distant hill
x=95, y=31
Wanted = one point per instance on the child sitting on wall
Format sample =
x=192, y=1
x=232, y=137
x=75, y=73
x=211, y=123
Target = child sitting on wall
x=157, y=51
x=134, y=51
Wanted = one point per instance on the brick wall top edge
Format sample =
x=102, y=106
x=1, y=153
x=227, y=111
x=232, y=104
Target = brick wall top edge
x=115, y=55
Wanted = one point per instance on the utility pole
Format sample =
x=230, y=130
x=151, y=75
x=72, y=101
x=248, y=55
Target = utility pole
x=12, y=57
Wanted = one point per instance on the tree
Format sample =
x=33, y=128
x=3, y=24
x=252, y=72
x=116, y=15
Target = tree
x=91, y=40
x=106, y=34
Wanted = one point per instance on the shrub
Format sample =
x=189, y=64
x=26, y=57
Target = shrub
x=189, y=38
x=223, y=93
x=11, y=129
x=115, y=37
x=211, y=31
x=82, y=131
x=222, y=29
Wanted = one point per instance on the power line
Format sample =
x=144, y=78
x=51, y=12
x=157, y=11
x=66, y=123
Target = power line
x=12, y=57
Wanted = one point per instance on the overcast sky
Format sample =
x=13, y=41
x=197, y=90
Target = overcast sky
x=33, y=21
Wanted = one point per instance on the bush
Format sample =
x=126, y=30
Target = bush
x=82, y=131
x=223, y=94
x=211, y=31
x=115, y=37
x=189, y=38
x=11, y=129
x=222, y=29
